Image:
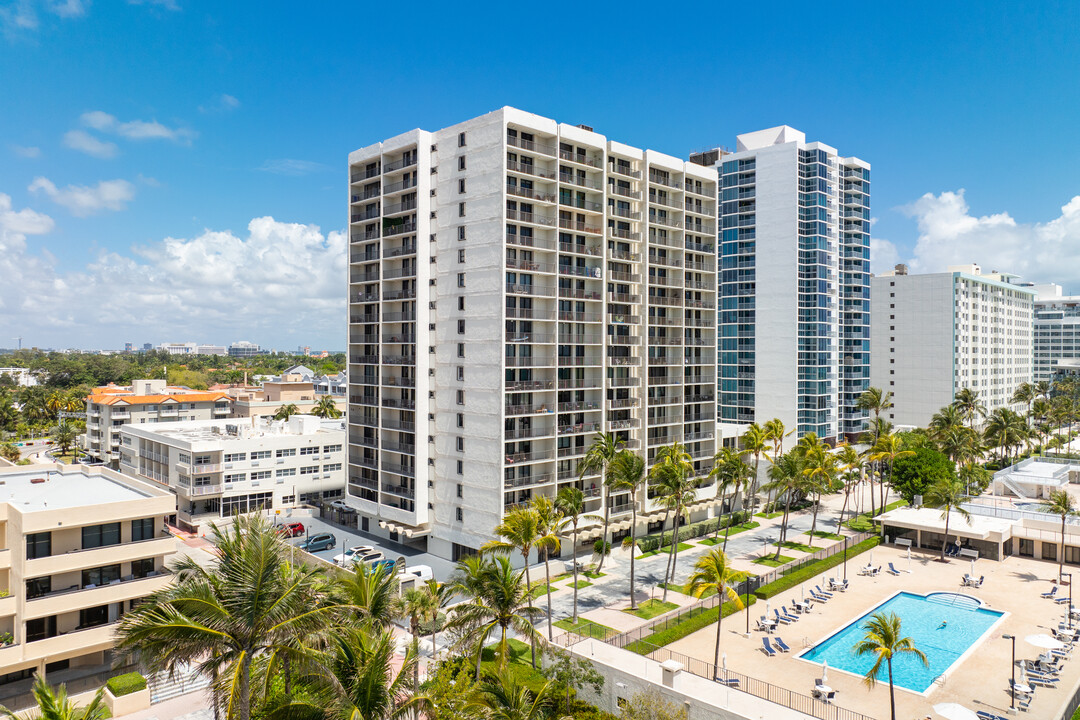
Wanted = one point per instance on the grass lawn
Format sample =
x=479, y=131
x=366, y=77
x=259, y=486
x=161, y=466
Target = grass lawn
x=539, y=587
x=683, y=628
x=593, y=575
x=651, y=608
x=539, y=590
x=739, y=576
x=735, y=530
x=649, y=554
x=581, y=584
x=587, y=628
x=769, y=516
x=67, y=458
x=801, y=547
x=519, y=666
x=826, y=535
x=863, y=523
x=768, y=560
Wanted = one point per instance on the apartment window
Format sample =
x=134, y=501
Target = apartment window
x=286, y=452
x=286, y=472
x=459, y=490
x=331, y=467
x=260, y=455
x=92, y=617
x=100, y=576
x=461, y=233
x=460, y=397
x=235, y=477
x=184, y=458
x=261, y=475
x=37, y=587
x=101, y=535
x=461, y=420
x=461, y=350
x=461, y=327
x=461, y=209
x=460, y=467
x=310, y=450
x=235, y=457
x=461, y=255
x=461, y=279
x=38, y=545
x=460, y=444
x=331, y=448
x=309, y=470
x=142, y=529
x=461, y=186
x=461, y=162
x=460, y=515
x=142, y=567
x=461, y=372
x=461, y=140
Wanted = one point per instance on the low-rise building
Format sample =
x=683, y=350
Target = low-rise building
x=144, y=402
x=219, y=468
x=22, y=376
x=266, y=400
x=245, y=349
x=81, y=546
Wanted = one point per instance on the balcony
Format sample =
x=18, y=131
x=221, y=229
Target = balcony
x=529, y=217
x=580, y=181
x=399, y=469
x=578, y=428
x=527, y=362
x=399, y=490
x=580, y=249
x=624, y=192
x=528, y=481
x=624, y=234
x=665, y=180
x=530, y=385
x=530, y=289
x=624, y=170
x=407, y=249
x=405, y=162
x=530, y=169
x=531, y=146
x=580, y=226
x=120, y=415
x=515, y=458
x=75, y=597
x=399, y=229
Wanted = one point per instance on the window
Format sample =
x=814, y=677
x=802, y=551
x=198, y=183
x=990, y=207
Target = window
x=461, y=162
x=38, y=545
x=260, y=455
x=101, y=535
x=310, y=470
x=184, y=458
x=142, y=568
x=460, y=444
x=460, y=488
x=461, y=279
x=100, y=576
x=286, y=472
x=461, y=233
x=461, y=350
x=331, y=448
x=235, y=457
x=142, y=529
x=461, y=186
x=461, y=255
x=286, y=452
x=461, y=303
x=461, y=140
x=37, y=587
x=92, y=617
x=237, y=477
x=461, y=209
x=460, y=397
x=332, y=467
x=261, y=475
x=460, y=515
x=460, y=467
x=461, y=420
x=312, y=450
x=461, y=372
x=460, y=327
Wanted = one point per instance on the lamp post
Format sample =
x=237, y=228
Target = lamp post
x=846, y=538
x=1069, y=612
x=1012, y=686
x=747, y=581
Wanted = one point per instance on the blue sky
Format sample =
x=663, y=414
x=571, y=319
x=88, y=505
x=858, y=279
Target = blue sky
x=174, y=170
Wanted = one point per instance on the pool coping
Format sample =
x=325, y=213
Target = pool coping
x=934, y=685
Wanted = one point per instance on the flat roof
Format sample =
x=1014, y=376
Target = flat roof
x=62, y=490
x=979, y=527
x=242, y=430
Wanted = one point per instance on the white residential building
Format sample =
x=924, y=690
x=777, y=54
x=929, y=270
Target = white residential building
x=21, y=376
x=937, y=333
x=1057, y=332
x=794, y=285
x=219, y=468
x=517, y=285
x=179, y=348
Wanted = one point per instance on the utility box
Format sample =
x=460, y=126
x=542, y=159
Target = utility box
x=670, y=668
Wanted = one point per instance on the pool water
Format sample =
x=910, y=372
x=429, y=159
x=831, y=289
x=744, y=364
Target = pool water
x=921, y=618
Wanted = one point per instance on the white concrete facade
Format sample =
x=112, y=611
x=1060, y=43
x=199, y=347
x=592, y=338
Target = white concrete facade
x=937, y=333
x=517, y=285
x=1057, y=332
x=218, y=468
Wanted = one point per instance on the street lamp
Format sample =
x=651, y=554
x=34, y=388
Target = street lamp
x=1012, y=686
x=1069, y=620
x=747, y=581
x=846, y=538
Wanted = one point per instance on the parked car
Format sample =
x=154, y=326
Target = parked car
x=421, y=572
x=340, y=505
x=354, y=553
x=291, y=529
x=369, y=558
x=321, y=541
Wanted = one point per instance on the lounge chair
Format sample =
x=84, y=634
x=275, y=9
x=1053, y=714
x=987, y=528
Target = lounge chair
x=781, y=618
x=817, y=597
x=1064, y=600
x=979, y=582
x=842, y=585
x=875, y=571
x=767, y=647
x=1052, y=593
x=983, y=715
x=1040, y=679
x=822, y=593
x=730, y=682
x=893, y=570
x=793, y=617
x=1035, y=667
x=781, y=645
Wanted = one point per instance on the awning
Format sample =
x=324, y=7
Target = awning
x=406, y=530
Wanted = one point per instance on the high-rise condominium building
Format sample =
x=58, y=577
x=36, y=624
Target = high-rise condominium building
x=937, y=333
x=1057, y=332
x=517, y=285
x=795, y=284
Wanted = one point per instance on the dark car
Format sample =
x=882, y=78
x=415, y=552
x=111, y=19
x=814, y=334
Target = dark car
x=292, y=529
x=321, y=541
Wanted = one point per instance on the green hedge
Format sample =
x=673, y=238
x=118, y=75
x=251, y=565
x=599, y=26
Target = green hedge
x=126, y=684
x=816, y=568
x=681, y=629
x=656, y=541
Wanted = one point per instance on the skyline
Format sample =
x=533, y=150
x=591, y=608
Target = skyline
x=175, y=170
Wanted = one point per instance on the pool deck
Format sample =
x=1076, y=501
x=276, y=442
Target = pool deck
x=979, y=680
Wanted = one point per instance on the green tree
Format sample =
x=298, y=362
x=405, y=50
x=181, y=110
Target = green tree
x=550, y=525
x=672, y=469
x=853, y=462
x=326, y=408
x=569, y=674
x=713, y=572
x=629, y=475
x=820, y=473
x=967, y=400
x=1005, y=429
x=286, y=411
x=755, y=441
x=571, y=503
x=369, y=592
x=886, y=451
x=10, y=452
x=786, y=478
x=63, y=436
x=775, y=432
x=947, y=493
x=439, y=599
x=414, y=605
x=505, y=697
x=730, y=472
x=914, y=474
x=598, y=458
x=1061, y=503
x=877, y=401
x=651, y=705
x=519, y=530
x=885, y=641
x=53, y=704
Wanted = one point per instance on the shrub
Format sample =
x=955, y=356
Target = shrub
x=126, y=684
x=601, y=547
x=816, y=568
x=684, y=627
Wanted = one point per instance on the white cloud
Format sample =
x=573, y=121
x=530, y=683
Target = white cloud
x=167, y=4
x=67, y=8
x=24, y=222
x=22, y=15
x=950, y=235
x=883, y=255
x=136, y=129
x=85, y=142
x=82, y=200
x=277, y=281
x=25, y=151
x=222, y=104
x=293, y=167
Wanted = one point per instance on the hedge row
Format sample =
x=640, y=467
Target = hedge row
x=126, y=684
x=681, y=629
x=656, y=541
x=816, y=568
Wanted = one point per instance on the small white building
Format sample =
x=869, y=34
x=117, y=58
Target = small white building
x=219, y=468
x=22, y=376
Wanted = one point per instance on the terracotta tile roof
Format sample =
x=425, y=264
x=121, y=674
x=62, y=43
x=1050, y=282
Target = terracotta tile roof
x=114, y=395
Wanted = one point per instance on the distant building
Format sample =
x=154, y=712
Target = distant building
x=211, y=350
x=82, y=546
x=179, y=348
x=129, y=347
x=333, y=385
x=244, y=349
x=110, y=407
x=937, y=333
x=267, y=399
x=22, y=376
x=219, y=468
x=1057, y=332
x=147, y=347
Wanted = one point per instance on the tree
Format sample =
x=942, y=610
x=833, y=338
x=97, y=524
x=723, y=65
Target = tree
x=673, y=467
x=286, y=411
x=1005, y=429
x=63, y=435
x=730, y=471
x=369, y=592
x=914, y=474
x=414, y=605
x=571, y=503
x=326, y=408
x=598, y=459
x=820, y=472
x=629, y=475
x=785, y=477
x=248, y=603
x=439, y=597
x=1061, y=503
x=945, y=420
x=519, y=530
x=852, y=461
x=505, y=697
x=10, y=452
x=967, y=400
x=755, y=442
x=713, y=572
x=569, y=674
x=9, y=414
x=775, y=432
x=877, y=401
x=947, y=493
x=550, y=524
x=53, y=704
x=884, y=641
x=651, y=705
x=886, y=451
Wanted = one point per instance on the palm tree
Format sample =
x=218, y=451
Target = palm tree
x=755, y=441
x=730, y=471
x=1005, y=428
x=369, y=592
x=9, y=414
x=713, y=571
x=550, y=524
x=55, y=402
x=876, y=401
x=10, y=452
x=629, y=474
x=883, y=640
x=820, y=471
x=326, y=408
x=598, y=459
x=775, y=432
x=63, y=435
x=286, y=411
x=414, y=605
x=497, y=598
x=248, y=603
x=786, y=476
x=948, y=494
x=677, y=487
x=354, y=679
x=571, y=503
x=53, y=704
x=439, y=597
x=519, y=530
x=1061, y=503
x=505, y=697
x=970, y=406
x=852, y=461
x=944, y=421
x=886, y=451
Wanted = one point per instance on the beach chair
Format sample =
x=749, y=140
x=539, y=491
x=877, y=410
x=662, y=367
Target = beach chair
x=875, y=571
x=730, y=682
x=793, y=617
x=822, y=593
x=818, y=597
x=1064, y=600
x=1052, y=593
x=893, y=570
x=1040, y=679
x=781, y=645
x=983, y=715
x=767, y=647
x=843, y=585
x=977, y=583
x=783, y=619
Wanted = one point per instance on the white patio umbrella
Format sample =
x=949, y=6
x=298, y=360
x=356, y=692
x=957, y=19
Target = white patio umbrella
x=972, y=567
x=1042, y=640
x=723, y=661
x=955, y=711
x=824, y=672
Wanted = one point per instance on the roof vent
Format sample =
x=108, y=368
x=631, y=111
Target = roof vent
x=586, y=127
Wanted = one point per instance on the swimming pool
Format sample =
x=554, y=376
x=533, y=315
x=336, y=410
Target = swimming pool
x=921, y=617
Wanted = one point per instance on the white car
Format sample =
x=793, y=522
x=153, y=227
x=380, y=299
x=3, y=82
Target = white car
x=370, y=557
x=421, y=572
x=352, y=554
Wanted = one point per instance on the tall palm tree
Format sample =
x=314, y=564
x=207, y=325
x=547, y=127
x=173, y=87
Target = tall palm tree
x=944, y=421
x=1005, y=429
x=247, y=604
x=731, y=472
x=414, y=605
x=326, y=408
x=439, y=598
x=970, y=405
x=820, y=471
x=786, y=477
x=884, y=641
x=63, y=435
x=877, y=401
x=9, y=414
x=550, y=524
x=369, y=592
x=948, y=494
x=53, y=704
x=755, y=441
x=506, y=697
x=852, y=461
x=1025, y=394
x=496, y=599
x=354, y=678
x=55, y=402
x=598, y=459
x=1061, y=503
x=629, y=475
x=675, y=469
x=1040, y=410
x=10, y=452
x=518, y=531
x=571, y=503
x=713, y=571
x=886, y=451
x=286, y=411
x=775, y=432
